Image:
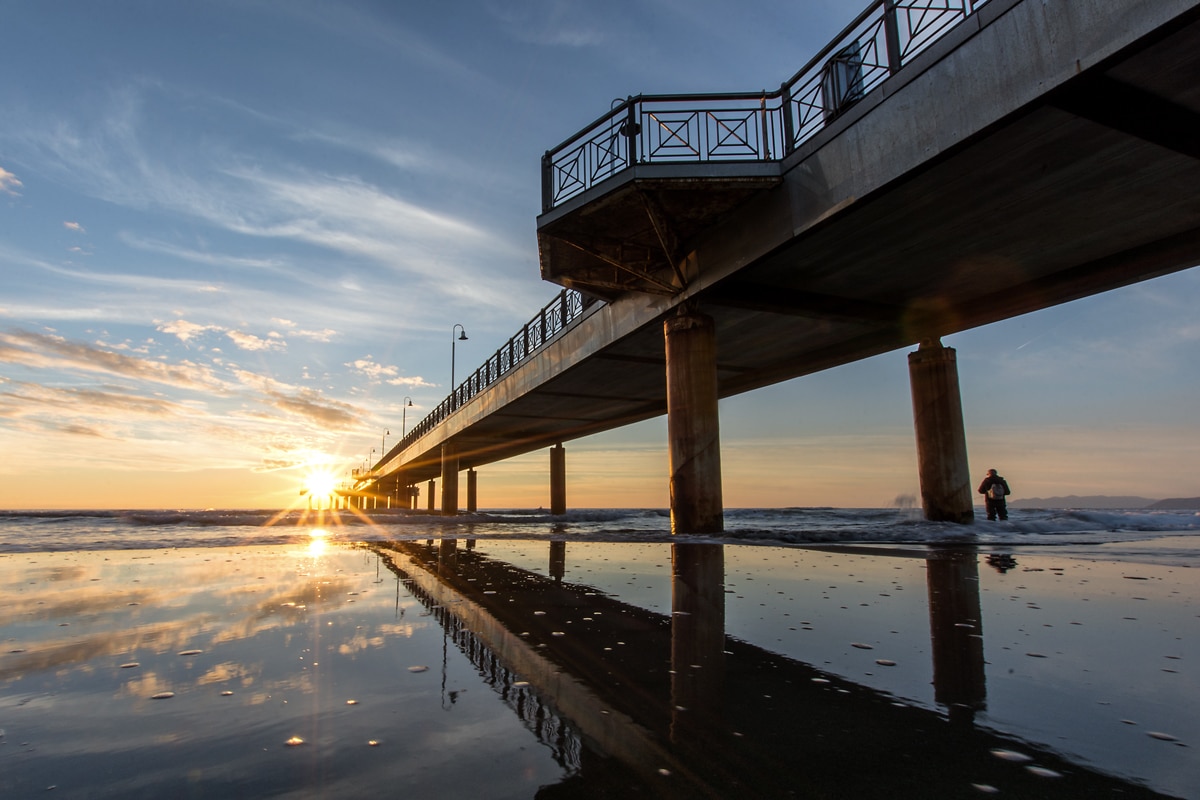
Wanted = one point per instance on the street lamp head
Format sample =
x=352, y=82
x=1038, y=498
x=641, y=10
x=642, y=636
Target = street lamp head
x=408, y=401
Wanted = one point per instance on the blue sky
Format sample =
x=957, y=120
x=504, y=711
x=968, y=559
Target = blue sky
x=235, y=235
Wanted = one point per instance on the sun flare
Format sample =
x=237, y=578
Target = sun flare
x=319, y=483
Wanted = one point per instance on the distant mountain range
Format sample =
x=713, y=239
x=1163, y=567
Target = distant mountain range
x=1105, y=501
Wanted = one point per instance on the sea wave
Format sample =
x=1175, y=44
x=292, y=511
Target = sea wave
x=26, y=531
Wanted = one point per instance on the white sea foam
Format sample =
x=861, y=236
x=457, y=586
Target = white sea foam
x=29, y=531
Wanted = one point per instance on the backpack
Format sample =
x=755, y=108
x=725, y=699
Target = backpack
x=996, y=489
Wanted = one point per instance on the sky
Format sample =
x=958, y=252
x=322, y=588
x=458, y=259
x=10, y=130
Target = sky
x=235, y=237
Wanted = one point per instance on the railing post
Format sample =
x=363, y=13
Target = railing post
x=789, y=129
x=891, y=33
x=542, y=317
x=766, y=132
x=631, y=129
x=547, y=182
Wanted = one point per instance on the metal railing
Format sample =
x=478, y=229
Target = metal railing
x=554, y=318
x=752, y=127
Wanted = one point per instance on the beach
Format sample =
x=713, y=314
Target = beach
x=521, y=668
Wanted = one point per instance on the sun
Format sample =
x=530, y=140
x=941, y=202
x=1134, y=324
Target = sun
x=319, y=483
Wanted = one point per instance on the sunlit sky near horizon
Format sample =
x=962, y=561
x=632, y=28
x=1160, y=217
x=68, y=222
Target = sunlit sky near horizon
x=234, y=236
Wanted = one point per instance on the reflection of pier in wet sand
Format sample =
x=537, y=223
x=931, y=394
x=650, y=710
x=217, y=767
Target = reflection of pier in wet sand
x=625, y=697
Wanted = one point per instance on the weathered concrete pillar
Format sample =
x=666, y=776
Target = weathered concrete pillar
x=692, y=424
x=449, y=480
x=472, y=491
x=941, y=435
x=558, y=479
x=432, y=490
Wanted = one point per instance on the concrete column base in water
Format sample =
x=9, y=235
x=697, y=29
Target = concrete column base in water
x=472, y=491
x=449, y=480
x=941, y=435
x=692, y=424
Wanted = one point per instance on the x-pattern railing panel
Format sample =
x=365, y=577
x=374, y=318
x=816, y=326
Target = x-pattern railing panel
x=752, y=127
x=922, y=22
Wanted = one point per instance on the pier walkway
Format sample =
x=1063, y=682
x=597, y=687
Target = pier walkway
x=941, y=165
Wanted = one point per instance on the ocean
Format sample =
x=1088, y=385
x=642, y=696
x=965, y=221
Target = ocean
x=27, y=531
x=804, y=652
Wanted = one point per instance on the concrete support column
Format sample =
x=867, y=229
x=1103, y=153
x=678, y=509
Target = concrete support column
x=558, y=479
x=431, y=489
x=449, y=480
x=692, y=424
x=472, y=491
x=941, y=435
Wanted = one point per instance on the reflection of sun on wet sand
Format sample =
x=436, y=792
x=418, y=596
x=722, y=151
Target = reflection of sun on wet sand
x=1066, y=669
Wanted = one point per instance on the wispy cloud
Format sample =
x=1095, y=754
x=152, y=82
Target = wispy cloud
x=554, y=23
x=203, y=256
x=375, y=232
x=46, y=351
x=74, y=226
x=414, y=382
x=9, y=183
x=376, y=372
x=304, y=403
x=24, y=399
x=248, y=341
x=185, y=331
x=389, y=374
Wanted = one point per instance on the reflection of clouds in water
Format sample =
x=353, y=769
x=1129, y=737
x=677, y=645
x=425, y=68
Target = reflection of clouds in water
x=143, y=685
x=404, y=629
x=65, y=574
x=230, y=671
x=362, y=640
x=300, y=682
x=163, y=637
x=89, y=601
x=358, y=643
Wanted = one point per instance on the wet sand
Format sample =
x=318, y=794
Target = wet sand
x=512, y=669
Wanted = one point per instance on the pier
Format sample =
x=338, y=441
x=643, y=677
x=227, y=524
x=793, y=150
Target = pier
x=935, y=168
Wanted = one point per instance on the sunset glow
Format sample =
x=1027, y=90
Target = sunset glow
x=230, y=287
x=319, y=483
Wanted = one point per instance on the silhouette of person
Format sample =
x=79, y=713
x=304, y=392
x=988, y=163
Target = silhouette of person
x=994, y=489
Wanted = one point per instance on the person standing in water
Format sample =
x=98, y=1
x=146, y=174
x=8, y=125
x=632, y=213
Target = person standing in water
x=994, y=489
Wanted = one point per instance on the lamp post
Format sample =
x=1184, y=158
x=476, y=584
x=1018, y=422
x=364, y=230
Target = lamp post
x=383, y=445
x=462, y=337
x=406, y=404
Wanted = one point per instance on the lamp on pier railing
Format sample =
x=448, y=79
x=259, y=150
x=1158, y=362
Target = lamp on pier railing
x=462, y=337
x=383, y=445
x=405, y=406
